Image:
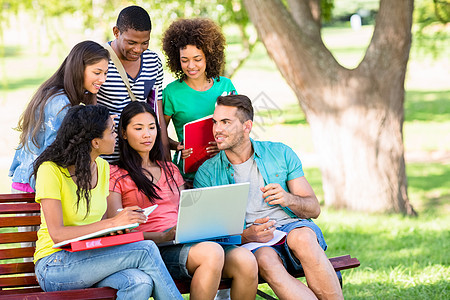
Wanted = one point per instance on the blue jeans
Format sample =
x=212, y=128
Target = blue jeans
x=135, y=270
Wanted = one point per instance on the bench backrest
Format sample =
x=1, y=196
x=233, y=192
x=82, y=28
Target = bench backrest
x=19, y=273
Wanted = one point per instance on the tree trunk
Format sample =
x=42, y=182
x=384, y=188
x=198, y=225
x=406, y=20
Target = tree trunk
x=356, y=116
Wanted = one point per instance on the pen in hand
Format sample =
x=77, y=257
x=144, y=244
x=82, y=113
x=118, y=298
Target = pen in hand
x=179, y=157
x=136, y=210
x=258, y=224
x=179, y=153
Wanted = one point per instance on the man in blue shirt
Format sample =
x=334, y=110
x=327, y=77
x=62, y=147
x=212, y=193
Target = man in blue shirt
x=280, y=198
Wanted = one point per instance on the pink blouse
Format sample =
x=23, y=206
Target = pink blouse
x=165, y=215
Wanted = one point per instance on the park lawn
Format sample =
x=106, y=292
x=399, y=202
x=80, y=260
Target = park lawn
x=401, y=257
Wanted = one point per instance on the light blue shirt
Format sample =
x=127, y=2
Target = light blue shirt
x=276, y=162
x=54, y=112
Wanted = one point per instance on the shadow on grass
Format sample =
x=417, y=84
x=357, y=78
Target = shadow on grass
x=427, y=106
x=426, y=176
x=431, y=180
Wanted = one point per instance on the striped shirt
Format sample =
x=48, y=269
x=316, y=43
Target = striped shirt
x=113, y=94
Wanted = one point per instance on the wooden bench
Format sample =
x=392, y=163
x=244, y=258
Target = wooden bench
x=17, y=280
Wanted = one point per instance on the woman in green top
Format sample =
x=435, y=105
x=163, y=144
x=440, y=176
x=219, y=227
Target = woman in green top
x=195, y=54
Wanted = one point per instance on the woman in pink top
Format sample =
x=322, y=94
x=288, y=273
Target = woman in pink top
x=143, y=177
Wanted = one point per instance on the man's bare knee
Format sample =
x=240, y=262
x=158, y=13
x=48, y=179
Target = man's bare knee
x=268, y=261
x=303, y=243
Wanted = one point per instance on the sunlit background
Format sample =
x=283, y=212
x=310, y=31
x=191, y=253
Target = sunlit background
x=33, y=45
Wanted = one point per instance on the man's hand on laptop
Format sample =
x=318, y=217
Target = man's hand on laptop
x=260, y=231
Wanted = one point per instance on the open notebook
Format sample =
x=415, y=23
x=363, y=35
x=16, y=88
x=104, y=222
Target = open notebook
x=104, y=232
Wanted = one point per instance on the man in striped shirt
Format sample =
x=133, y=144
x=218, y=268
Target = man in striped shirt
x=143, y=66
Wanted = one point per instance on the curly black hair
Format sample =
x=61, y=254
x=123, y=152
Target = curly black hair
x=202, y=33
x=134, y=17
x=72, y=145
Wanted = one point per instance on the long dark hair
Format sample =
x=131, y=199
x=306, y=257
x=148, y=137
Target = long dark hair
x=131, y=161
x=69, y=80
x=72, y=145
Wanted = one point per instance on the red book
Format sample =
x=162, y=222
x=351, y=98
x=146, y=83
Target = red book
x=197, y=135
x=95, y=242
x=101, y=242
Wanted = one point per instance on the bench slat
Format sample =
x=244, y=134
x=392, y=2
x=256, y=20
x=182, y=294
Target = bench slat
x=16, y=208
x=19, y=281
x=19, y=197
x=20, y=291
x=17, y=268
x=17, y=237
x=344, y=262
x=17, y=221
x=83, y=294
x=16, y=253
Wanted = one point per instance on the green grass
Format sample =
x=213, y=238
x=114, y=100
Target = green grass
x=427, y=106
x=428, y=189
x=401, y=257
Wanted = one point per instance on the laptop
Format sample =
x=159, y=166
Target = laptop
x=212, y=213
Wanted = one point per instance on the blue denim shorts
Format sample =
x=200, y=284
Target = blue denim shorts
x=175, y=257
x=290, y=262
